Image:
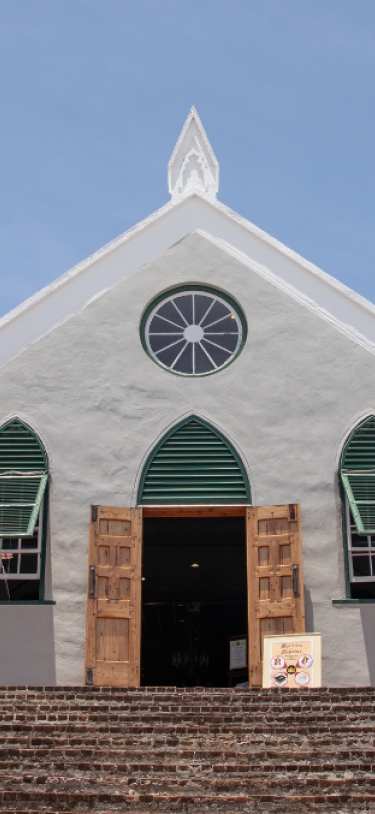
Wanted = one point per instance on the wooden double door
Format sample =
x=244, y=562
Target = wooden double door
x=274, y=584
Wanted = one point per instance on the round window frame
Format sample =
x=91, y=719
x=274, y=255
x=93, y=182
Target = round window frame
x=182, y=289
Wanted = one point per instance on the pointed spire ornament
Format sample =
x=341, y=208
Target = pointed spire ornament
x=193, y=167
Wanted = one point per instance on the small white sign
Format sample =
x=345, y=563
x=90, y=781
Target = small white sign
x=238, y=654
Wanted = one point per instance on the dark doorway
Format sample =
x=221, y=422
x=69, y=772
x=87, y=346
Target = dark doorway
x=194, y=598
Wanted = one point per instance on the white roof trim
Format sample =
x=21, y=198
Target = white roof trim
x=333, y=301
x=347, y=330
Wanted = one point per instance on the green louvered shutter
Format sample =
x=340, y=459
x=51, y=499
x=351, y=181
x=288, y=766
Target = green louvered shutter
x=23, y=479
x=194, y=464
x=358, y=475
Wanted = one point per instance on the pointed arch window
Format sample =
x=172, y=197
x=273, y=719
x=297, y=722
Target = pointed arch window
x=358, y=480
x=194, y=463
x=23, y=482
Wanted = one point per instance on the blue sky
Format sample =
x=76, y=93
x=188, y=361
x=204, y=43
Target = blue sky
x=94, y=94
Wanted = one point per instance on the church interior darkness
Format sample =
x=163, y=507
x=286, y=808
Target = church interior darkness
x=194, y=598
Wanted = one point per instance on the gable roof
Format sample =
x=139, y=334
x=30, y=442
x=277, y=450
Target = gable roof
x=194, y=208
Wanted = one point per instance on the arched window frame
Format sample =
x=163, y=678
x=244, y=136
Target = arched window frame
x=357, y=489
x=180, y=290
x=24, y=482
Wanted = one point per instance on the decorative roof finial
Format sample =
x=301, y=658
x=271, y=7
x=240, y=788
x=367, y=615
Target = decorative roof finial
x=193, y=166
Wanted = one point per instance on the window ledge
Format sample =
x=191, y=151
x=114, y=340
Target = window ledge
x=27, y=602
x=353, y=601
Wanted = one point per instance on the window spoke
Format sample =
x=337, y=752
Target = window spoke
x=179, y=312
x=208, y=355
x=226, y=316
x=215, y=344
x=207, y=312
x=180, y=354
x=168, y=346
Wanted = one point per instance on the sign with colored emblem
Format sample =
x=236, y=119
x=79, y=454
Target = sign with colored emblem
x=293, y=661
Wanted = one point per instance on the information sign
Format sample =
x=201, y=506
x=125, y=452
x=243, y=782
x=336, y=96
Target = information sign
x=238, y=654
x=292, y=661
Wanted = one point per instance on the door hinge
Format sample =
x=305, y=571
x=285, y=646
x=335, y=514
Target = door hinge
x=94, y=514
x=292, y=511
x=92, y=582
x=90, y=675
x=295, y=579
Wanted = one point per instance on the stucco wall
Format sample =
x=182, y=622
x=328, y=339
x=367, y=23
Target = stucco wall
x=99, y=404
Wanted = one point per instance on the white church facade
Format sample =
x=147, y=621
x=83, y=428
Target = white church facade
x=187, y=455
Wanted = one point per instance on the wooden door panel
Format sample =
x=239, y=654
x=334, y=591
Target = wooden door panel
x=114, y=597
x=275, y=578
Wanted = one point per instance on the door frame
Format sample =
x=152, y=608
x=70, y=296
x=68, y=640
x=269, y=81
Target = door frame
x=207, y=510
x=195, y=510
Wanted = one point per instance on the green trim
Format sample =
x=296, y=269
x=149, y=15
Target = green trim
x=353, y=601
x=27, y=602
x=22, y=455
x=345, y=538
x=21, y=448
x=357, y=469
x=43, y=552
x=357, y=485
x=170, y=292
x=21, y=494
x=38, y=500
x=192, y=476
x=357, y=488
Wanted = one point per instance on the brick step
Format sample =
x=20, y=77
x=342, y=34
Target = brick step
x=159, y=759
x=222, y=720
x=151, y=731
x=189, y=786
x=249, y=745
x=50, y=803
x=266, y=698
x=181, y=698
x=190, y=773
x=198, y=764
x=344, y=708
x=246, y=698
x=296, y=804
x=13, y=709
x=242, y=760
x=84, y=689
x=100, y=750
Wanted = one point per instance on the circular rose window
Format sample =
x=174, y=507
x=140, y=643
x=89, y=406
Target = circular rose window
x=193, y=332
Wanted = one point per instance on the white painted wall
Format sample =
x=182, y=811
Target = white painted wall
x=99, y=404
x=72, y=292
